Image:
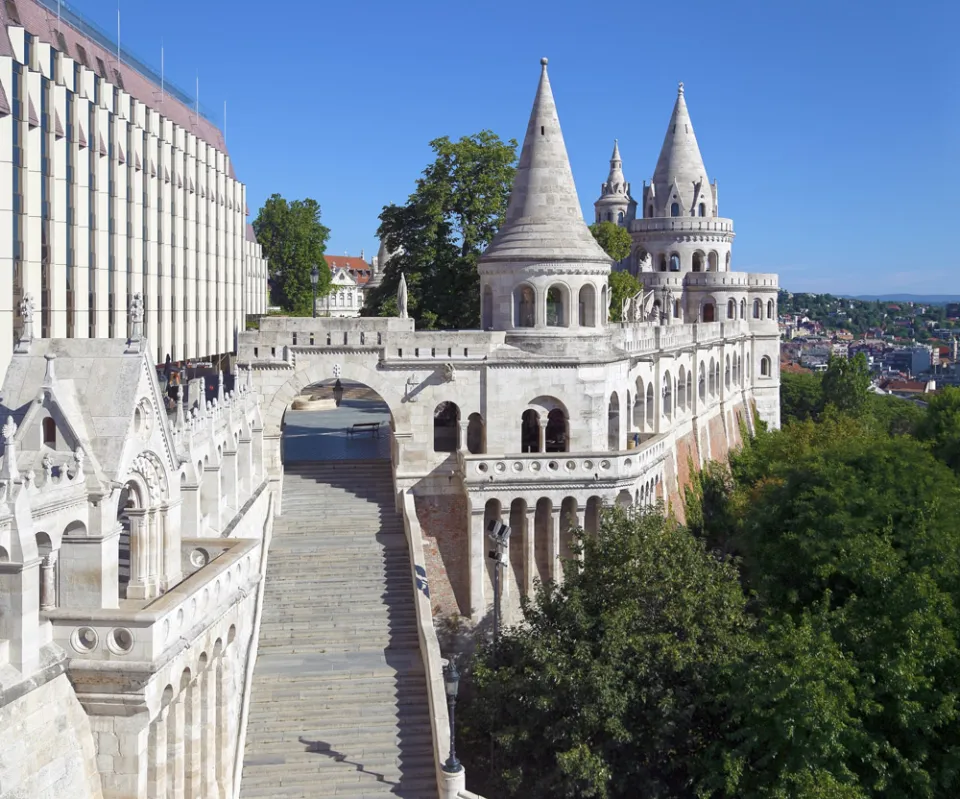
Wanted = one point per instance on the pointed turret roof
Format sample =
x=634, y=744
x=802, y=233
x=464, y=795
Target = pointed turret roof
x=680, y=160
x=544, y=221
x=616, y=183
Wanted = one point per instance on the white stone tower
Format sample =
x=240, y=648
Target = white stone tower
x=615, y=203
x=680, y=229
x=543, y=278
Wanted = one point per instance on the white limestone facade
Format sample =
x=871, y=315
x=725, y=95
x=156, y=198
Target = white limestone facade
x=551, y=410
x=349, y=279
x=131, y=553
x=112, y=184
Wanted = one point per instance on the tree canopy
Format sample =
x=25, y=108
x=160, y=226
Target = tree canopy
x=846, y=382
x=438, y=235
x=622, y=286
x=614, y=239
x=293, y=241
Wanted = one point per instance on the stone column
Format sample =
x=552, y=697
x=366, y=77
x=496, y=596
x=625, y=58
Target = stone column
x=169, y=541
x=529, y=549
x=138, y=587
x=224, y=755
x=208, y=735
x=476, y=570
x=157, y=754
x=229, y=482
x=462, y=436
x=192, y=743
x=175, y=747
x=190, y=511
x=554, y=544
x=155, y=553
x=543, y=435
x=48, y=581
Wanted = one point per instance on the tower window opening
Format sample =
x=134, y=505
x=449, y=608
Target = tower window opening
x=674, y=209
x=650, y=210
x=703, y=209
x=543, y=131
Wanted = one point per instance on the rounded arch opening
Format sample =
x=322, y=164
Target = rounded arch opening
x=525, y=306
x=446, y=426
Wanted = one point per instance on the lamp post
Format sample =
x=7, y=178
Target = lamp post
x=499, y=535
x=451, y=685
x=314, y=279
x=338, y=392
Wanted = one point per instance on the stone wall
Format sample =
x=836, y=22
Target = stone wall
x=46, y=746
x=443, y=520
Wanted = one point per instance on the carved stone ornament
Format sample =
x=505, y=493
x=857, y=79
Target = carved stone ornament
x=9, y=430
x=337, y=371
x=411, y=387
x=449, y=373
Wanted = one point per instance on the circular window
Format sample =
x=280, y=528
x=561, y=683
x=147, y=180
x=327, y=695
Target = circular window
x=84, y=639
x=553, y=466
x=517, y=466
x=535, y=466
x=199, y=558
x=120, y=641
x=482, y=468
x=571, y=465
x=501, y=467
x=604, y=464
x=588, y=465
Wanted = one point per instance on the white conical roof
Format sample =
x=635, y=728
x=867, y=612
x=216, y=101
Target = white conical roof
x=680, y=160
x=616, y=183
x=544, y=221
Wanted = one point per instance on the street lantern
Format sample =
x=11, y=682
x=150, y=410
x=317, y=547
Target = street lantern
x=314, y=279
x=451, y=685
x=499, y=535
x=338, y=392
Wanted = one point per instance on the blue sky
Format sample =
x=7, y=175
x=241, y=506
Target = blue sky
x=833, y=128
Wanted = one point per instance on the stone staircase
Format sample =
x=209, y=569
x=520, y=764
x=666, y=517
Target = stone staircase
x=339, y=702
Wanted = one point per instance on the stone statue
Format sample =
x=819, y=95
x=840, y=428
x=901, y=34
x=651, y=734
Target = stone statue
x=136, y=317
x=402, y=297
x=26, y=314
x=626, y=309
x=645, y=263
x=527, y=310
x=449, y=373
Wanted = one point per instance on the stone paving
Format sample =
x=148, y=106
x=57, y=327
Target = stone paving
x=339, y=705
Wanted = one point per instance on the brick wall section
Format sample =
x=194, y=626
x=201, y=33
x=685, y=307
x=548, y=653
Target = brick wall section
x=443, y=519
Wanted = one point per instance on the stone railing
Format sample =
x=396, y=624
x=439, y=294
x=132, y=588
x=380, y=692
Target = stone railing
x=561, y=467
x=643, y=338
x=449, y=785
x=683, y=224
x=143, y=634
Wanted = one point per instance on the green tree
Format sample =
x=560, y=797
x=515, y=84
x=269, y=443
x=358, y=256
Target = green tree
x=941, y=426
x=293, y=242
x=846, y=383
x=438, y=235
x=801, y=396
x=614, y=684
x=622, y=286
x=614, y=240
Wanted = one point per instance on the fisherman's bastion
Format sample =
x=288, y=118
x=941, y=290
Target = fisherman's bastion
x=222, y=595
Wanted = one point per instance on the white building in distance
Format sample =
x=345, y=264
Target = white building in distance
x=349, y=279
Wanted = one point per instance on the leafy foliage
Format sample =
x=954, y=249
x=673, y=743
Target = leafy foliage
x=293, y=241
x=941, y=426
x=614, y=239
x=438, y=235
x=801, y=397
x=846, y=382
x=622, y=286
x=614, y=682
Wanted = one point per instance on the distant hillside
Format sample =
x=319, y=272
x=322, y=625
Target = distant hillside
x=930, y=299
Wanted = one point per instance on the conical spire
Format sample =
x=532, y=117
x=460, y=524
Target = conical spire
x=680, y=160
x=544, y=221
x=616, y=183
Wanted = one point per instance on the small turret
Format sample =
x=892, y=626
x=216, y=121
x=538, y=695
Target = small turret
x=615, y=203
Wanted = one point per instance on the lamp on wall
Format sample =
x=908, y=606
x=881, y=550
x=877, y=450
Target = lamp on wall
x=451, y=686
x=314, y=279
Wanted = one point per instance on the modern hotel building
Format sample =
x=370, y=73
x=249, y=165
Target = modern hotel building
x=113, y=183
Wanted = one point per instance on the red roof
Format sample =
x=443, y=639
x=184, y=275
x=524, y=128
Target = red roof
x=359, y=269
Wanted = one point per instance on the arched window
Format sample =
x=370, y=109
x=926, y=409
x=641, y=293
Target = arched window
x=765, y=367
x=556, y=315
x=726, y=373
x=712, y=261
x=613, y=423
x=702, y=383
x=731, y=309
x=525, y=313
x=703, y=209
x=682, y=389
x=486, y=308
x=743, y=309
x=690, y=387
x=708, y=313
x=667, y=395
x=649, y=210
x=475, y=435
x=50, y=432
x=649, y=410
x=556, y=432
x=620, y=218
x=604, y=306
x=530, y=431
x=676, y=309
x=769, y=309
x=757, y=309
x=639, y=421
x=713, y=377
x=663, y=262
x=674, y=209
x=609, y=216
x=588, y=306
x=674, y=262
x=698, y=262
x=446, y=426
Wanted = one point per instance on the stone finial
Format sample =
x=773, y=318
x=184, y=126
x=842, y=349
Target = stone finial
x=543, y=61
x=8, y=467
x=680, y=89
x=180, y=420
x=47, y=463
x=78, y=458
x=220, y=385
x=49, y=375
x=26, y=331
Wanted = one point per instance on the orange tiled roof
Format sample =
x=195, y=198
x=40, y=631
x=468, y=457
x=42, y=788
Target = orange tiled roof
x=359, y=269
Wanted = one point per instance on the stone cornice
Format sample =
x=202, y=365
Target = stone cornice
x=543, y=269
